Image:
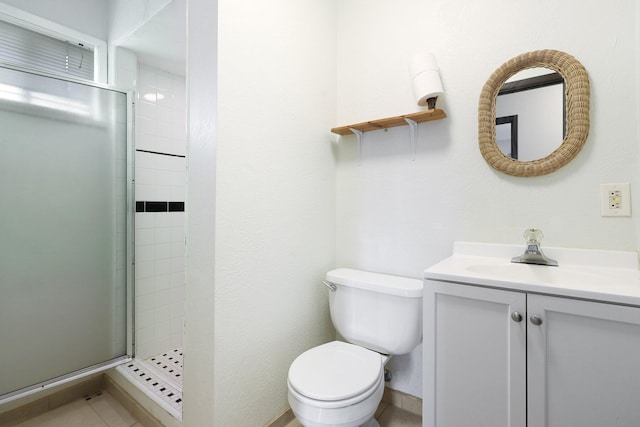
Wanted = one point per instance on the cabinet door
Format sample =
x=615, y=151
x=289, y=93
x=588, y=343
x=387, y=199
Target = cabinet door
x=474, y=357
x=583, y=363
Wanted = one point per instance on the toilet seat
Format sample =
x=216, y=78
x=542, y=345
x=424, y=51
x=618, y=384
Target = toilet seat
x=336, y=374
x=378, y=388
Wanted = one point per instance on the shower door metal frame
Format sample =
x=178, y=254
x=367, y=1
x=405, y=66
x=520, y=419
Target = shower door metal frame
x=130, y=246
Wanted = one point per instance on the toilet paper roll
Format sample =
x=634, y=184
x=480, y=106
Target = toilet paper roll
x=422, y=62
x=425, y=76
x=427, y=85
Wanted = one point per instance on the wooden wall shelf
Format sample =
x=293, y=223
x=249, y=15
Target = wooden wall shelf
x=423, y=116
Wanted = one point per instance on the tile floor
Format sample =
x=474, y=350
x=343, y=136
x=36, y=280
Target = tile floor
x=102, y=410
x=396, y=417
x=96, y=410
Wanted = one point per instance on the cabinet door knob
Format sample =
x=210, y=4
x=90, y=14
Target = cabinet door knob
x=516, y=317
x=536, y=320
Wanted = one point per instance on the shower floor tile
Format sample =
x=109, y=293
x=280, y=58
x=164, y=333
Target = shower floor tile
x=169, y=365
x=95, y=410
x=160, y=378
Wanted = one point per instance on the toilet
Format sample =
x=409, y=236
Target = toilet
x=340, y=383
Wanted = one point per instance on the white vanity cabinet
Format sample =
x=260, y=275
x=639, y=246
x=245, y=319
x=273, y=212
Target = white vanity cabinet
x=475, y=357
x=512, y=357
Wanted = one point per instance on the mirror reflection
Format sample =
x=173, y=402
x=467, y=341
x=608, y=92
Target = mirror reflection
x=530, y=114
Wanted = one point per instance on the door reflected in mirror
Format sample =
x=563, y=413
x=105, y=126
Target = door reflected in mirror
x=507, y=135
x=530, y=114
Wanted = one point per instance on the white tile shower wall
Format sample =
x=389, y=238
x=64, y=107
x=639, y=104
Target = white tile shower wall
x=160, y=176
x=159, y=255
x=160, y=111
x=126, y=69
x=159, y=281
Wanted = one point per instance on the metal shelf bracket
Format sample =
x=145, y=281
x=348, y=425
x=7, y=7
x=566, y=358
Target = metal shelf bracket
x=413, y=130
x=359, y=139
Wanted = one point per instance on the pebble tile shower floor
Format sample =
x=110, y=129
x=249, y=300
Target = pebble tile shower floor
x=160, y=377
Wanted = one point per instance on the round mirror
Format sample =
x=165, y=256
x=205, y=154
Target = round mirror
x=533, y=116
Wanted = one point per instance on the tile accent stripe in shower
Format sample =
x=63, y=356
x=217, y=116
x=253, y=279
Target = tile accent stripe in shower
x=142, y=206
x=160, y=378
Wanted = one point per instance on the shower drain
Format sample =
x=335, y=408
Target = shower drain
x=160, y=378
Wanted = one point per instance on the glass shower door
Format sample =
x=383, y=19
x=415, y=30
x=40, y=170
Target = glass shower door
x=63, y=228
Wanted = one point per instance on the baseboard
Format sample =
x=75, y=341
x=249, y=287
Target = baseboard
x=281, y=420
x=403, y=400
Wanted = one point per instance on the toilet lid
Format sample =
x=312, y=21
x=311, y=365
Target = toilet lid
x=335, y=371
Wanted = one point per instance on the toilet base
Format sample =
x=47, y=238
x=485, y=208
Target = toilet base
x=371, y=423
x=359, y=415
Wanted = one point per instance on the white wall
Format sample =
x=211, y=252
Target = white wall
x=127, y=16
x=86, y=16
x=400, y=216
x=202, y=94
x=275, y=216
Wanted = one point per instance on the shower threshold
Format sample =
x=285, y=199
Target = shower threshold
x=160, y=378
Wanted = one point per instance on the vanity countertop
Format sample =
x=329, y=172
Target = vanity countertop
x=601, y=275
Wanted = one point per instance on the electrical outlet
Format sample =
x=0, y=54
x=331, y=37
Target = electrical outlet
x=615, y=199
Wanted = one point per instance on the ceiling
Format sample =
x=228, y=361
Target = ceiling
x=162, y=40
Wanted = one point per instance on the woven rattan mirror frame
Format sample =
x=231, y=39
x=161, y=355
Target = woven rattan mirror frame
x=577, y=110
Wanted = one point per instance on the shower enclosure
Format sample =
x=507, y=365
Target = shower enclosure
x=65, y=221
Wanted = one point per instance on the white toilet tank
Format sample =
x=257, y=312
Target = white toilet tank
x=377, y=311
